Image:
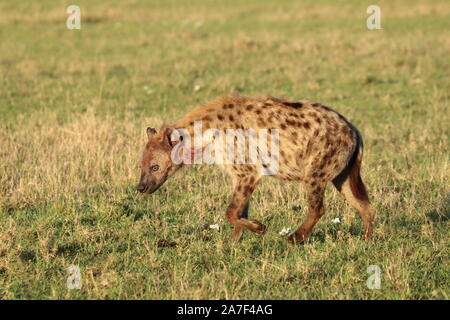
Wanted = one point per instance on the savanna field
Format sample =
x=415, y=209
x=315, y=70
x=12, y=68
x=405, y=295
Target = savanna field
x=74, y=105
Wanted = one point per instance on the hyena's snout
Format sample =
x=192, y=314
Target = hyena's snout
x=146, y=185
x=141, y=188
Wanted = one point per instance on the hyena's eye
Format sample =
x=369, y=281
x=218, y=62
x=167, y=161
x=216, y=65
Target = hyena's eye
x=154, y=167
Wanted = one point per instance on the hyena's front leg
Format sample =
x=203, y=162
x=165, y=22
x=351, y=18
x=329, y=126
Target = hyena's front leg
x=237, y=212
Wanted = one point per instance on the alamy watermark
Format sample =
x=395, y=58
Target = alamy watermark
x=374, y=280
x=227, y=146
x=74, y=278
x=374, y=20
x=74, y=20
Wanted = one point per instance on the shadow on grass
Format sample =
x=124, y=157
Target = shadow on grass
x=442, y=212
x=137, y=214
x=69, y=249
x=336, y=232
x=27, y=256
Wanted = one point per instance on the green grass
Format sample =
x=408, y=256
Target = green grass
x=74, y=105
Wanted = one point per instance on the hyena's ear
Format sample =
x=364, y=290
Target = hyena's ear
x=168, y=136
x=171, y=136
x=150, y=132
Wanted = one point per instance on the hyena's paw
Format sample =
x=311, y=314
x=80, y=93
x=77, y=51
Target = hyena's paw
x=297, y=238
x=256, y=226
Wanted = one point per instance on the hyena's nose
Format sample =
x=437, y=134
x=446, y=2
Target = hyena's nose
x=141, y=188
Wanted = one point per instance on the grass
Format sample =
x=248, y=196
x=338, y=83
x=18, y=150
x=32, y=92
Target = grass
x=74, y=105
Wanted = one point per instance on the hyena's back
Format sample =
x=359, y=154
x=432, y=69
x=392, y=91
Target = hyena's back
x=316, y=143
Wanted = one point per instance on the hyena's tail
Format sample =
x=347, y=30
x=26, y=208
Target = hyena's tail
x=356, y=184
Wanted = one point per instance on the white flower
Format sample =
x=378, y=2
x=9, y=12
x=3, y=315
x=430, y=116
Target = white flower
x=197, y=88
x=336, y=220
x=199, y=23
x=148, y=90
x=286, y=232
x=214, y=226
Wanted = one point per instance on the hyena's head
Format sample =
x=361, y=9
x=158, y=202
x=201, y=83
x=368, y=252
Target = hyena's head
x=157, y=165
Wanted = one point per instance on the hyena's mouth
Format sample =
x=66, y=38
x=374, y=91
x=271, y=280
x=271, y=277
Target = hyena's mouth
x=141, y=188
x=148, y=188
x=145, y=188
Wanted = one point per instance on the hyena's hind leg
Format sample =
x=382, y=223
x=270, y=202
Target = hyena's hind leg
x=351, y=186
x=315, y=194
x=237, y=212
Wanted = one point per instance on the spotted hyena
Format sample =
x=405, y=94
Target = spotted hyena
x=316, y=145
